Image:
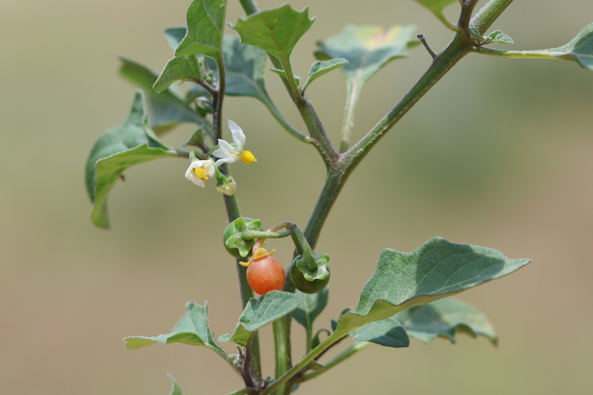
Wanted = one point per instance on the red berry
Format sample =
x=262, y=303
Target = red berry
x=265, y=275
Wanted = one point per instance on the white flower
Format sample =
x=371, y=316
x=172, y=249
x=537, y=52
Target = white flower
x=199, y=171
x=229, y=153
x=229, y=187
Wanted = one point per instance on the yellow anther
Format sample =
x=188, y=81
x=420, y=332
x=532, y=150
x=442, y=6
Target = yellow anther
x=247, y=157
x=201, y=174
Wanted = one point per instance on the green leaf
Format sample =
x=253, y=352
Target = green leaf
x=183, y=68
x=579, y=50
x=433, y=271
x=127, y=144
x=259, y=313
x=310, y=306
x=244, y=66
x=367, y=49
x=388, y=332
x=191, y=329
x=276, y=30
x=165, y=109
x=499, y=37
x=175, y=389
x=320, y=68
x=205, y=21
x=437, y=7
x=444, y=318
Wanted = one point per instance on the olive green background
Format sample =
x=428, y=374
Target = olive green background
x=498, y=154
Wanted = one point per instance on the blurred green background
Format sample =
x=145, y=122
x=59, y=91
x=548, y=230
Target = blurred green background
x=498, y=154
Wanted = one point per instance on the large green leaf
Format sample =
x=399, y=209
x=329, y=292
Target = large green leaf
x=367, y=49
x=310, y=306
x=444, y=318
x=579, y=50
x=276, y=30
x=205, y=21
x=433, y=271
x=174, y=36
x=165, y=109
x=175, y=388
x=127, y=144
x=259, y=313
x=388, y=332
x=191, y=329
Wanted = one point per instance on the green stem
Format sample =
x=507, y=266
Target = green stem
x=344, y=355
x=517, y=54
x=488, y=14
x=256, y=234
x=282, y=351
x=302, y=245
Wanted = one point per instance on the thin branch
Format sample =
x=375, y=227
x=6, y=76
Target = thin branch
x=425, y=43
x=344, y=355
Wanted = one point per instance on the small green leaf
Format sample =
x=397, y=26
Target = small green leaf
x=259, y=313
x=388, y=332
x=282, y=74
x=183, y=68
x=579, y=50
x=310, y=306
x=499, y=37
x=437, y=7
x=367, y=49
x=197, y=139
x=320, y=68
x=165, y=109
x=475, y=32
x=175, y=389
x=129, y=143
x=433, y=271
x=191, y=329
x=276, y=30
x=205, y=21
x=444, y=318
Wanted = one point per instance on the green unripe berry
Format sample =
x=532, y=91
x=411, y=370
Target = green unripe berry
x=301, y=283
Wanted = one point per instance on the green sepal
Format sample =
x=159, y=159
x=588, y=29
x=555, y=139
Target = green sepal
x=320, y=68
x=260, y=312
x=233, y=237
x=192, y=329
x=320, y=273
x=175, y=388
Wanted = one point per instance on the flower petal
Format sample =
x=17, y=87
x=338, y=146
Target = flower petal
x=238, y=135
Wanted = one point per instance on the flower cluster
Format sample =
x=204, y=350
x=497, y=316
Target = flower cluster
x=199, y=171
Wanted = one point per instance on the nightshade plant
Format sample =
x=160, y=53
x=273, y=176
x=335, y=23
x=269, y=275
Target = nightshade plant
x=410, y=293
